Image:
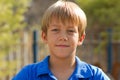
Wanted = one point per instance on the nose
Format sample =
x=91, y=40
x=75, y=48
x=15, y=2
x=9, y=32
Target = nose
x=63, y=36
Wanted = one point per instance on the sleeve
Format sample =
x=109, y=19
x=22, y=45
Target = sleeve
x=23, y=74
x=100, y=75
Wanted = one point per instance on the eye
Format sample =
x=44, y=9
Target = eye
x=55, y=30
x=71, y=31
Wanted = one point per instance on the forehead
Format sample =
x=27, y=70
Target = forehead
x=56, y=21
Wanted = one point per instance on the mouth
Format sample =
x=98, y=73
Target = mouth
x=63, y=46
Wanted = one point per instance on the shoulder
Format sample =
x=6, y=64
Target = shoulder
x=31, y=71
x=98, y=73
x=90, y=71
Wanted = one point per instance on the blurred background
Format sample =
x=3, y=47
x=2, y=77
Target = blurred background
x=20, y=42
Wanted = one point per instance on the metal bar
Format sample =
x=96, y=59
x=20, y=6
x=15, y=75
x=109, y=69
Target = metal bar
x=109, y=49
x=35, y=45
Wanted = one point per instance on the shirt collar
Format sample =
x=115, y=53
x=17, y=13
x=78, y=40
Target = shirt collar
x=82, y=69
x=43, y=67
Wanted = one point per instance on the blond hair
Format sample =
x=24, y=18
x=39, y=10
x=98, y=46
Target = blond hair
x=65, y=11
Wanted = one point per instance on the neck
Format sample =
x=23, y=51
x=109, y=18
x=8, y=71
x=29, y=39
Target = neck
x=62, y=68
x=65, y=63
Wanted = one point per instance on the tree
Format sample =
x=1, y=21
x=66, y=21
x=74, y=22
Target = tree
x=11, y=21
x=102, y=15
x=103, y=12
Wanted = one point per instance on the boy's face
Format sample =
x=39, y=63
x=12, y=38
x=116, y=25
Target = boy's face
x=62, y=39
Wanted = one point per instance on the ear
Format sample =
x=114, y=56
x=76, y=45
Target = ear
x=44, y=37
x=81, y=39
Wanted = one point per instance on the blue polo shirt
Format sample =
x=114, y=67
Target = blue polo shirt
x=41, y=71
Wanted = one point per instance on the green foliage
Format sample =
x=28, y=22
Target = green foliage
x=11, y=21
x=102, y=14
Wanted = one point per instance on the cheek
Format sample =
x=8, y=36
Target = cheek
x=74, y=41
x=51, y=38
x=76, y=38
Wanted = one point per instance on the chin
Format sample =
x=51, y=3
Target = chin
x=63, y=56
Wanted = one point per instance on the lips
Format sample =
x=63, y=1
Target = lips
x=62, y=45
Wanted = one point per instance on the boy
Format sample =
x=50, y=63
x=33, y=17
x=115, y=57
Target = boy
x=63, y=29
